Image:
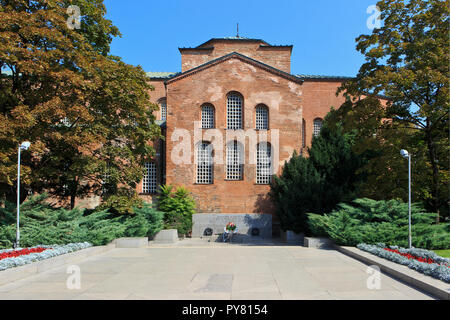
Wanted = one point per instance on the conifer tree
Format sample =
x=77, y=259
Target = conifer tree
x=329, y=176
x=296, y=192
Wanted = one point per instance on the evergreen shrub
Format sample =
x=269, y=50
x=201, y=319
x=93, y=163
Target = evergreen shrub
x=41, y=223
x=371, y=222
x=329, y=176
x=178, y=207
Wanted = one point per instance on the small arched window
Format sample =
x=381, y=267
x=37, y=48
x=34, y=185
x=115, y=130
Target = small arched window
x=205, y=164
x=317, y=126
x=235, y=161
x=262, y=117
x=263, y=163
x=234, y=111
x=163, y=107
x=208, y=119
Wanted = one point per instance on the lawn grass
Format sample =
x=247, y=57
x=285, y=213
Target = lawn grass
x=443, y=253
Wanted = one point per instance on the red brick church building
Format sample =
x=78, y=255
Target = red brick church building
x=232, y=117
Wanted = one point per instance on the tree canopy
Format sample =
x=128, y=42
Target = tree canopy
x=86, y=113
x=407, y=62
x=330, y=175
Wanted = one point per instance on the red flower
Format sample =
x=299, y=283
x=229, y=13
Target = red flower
x=410, y=256
x=22, y=252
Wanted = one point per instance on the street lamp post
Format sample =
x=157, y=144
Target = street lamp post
x=23, y=146
x=406, y=154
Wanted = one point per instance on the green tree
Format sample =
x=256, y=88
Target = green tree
x=86, y=113
x=332, y=155
x=330, y=175
x=407, y=61
x=178, y=207
x=295, y=192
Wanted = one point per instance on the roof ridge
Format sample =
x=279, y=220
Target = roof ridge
x=234, y=38
x=310, y=76
x=161, y=75
x=237, y=54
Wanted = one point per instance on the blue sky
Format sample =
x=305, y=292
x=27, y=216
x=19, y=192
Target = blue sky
x=322, y=32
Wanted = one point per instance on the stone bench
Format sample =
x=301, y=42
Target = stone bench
x=318, y=243
x=131, y=242
x=166, y=236
x=293, y=238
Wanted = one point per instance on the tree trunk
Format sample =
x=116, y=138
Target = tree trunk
x=435, y=183
x=11, y=193
x=72, y=201
x=73, y=194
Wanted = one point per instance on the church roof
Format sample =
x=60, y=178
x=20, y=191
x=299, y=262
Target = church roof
x=233, y=39
x=161, y=75
x=169, y=75
x=322, y=77
x=208, y=44
x=238, y=56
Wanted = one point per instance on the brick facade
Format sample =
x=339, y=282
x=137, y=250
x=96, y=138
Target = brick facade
x=260, y=74
x=275, y=56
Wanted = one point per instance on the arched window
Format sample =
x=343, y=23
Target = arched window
x=208, y=121
x=235, y=161
x=263, y=163
x=149, y=179
x=163, y=107
x=303, y=133
x=234, y=111
x=262, y=117
x=205, y=165
x=317, y=126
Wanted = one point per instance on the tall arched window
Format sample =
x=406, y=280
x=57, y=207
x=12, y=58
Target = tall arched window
x=208, y=121
x=163, y=107
x=149, y=179
x=234, y=111
x=262, y=117
x=317, y=126
x=205, y=165
x=235, y=161
x=303, y=133
x=263, y=163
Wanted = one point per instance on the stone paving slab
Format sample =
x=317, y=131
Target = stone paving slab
x=206, y=271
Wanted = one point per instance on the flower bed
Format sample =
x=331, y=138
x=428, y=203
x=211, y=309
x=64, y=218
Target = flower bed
x=10, y=258
x=424, y=261
x=21, y=252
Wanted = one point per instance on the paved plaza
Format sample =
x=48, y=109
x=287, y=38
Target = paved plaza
x=198, y=270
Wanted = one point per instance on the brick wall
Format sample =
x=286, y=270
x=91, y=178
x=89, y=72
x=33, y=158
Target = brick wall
x=277, y=57
x=185, y=97
x=318, y=98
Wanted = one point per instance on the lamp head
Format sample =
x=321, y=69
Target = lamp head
x=25, y=145
x=404, y=153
